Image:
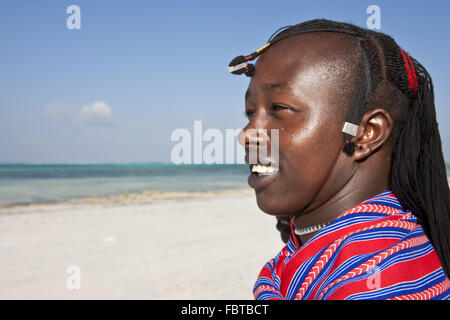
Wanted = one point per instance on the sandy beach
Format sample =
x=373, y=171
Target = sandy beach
x=206, y=245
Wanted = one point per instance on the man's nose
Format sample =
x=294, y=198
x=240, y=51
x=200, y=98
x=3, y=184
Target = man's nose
x=253, y=135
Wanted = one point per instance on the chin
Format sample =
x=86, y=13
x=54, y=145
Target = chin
x=274, y=205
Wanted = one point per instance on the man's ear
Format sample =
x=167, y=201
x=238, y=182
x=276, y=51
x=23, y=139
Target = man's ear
x=373, y=131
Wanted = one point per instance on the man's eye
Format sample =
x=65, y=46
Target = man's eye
x=249, y=113
x=279, y=107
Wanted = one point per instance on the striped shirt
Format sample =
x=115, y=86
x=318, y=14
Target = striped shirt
x=375, y=250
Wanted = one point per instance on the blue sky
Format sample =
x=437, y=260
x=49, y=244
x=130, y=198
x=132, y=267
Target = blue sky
x=115, y=90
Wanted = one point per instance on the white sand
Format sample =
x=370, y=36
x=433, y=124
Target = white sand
x=209, y=247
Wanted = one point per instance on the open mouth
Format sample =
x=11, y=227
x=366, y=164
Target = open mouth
x=262, y=169
x=262, y=175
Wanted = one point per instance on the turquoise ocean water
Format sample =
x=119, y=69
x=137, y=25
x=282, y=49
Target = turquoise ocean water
x=26, y=184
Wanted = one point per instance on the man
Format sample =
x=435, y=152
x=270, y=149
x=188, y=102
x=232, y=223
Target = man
x=359, y=169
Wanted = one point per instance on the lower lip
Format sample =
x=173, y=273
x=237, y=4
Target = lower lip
x=259, y=182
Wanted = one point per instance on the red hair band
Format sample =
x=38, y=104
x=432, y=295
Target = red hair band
x=412, y=78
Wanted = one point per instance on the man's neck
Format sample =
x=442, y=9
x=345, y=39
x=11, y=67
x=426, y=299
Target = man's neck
x=358, y=189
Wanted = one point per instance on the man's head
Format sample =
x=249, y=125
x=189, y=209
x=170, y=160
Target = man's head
x=303, y=87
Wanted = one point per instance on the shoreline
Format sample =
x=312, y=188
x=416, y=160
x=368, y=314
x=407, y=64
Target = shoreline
x=133, y=198
x=130, y=198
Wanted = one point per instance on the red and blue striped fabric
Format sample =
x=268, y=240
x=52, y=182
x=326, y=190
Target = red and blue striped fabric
x=375, y=250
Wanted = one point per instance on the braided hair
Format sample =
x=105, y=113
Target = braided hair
x=417, y=175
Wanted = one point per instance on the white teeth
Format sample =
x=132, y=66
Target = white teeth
x=263, y=169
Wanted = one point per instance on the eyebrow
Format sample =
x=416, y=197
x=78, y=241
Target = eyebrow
x=273, y=86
